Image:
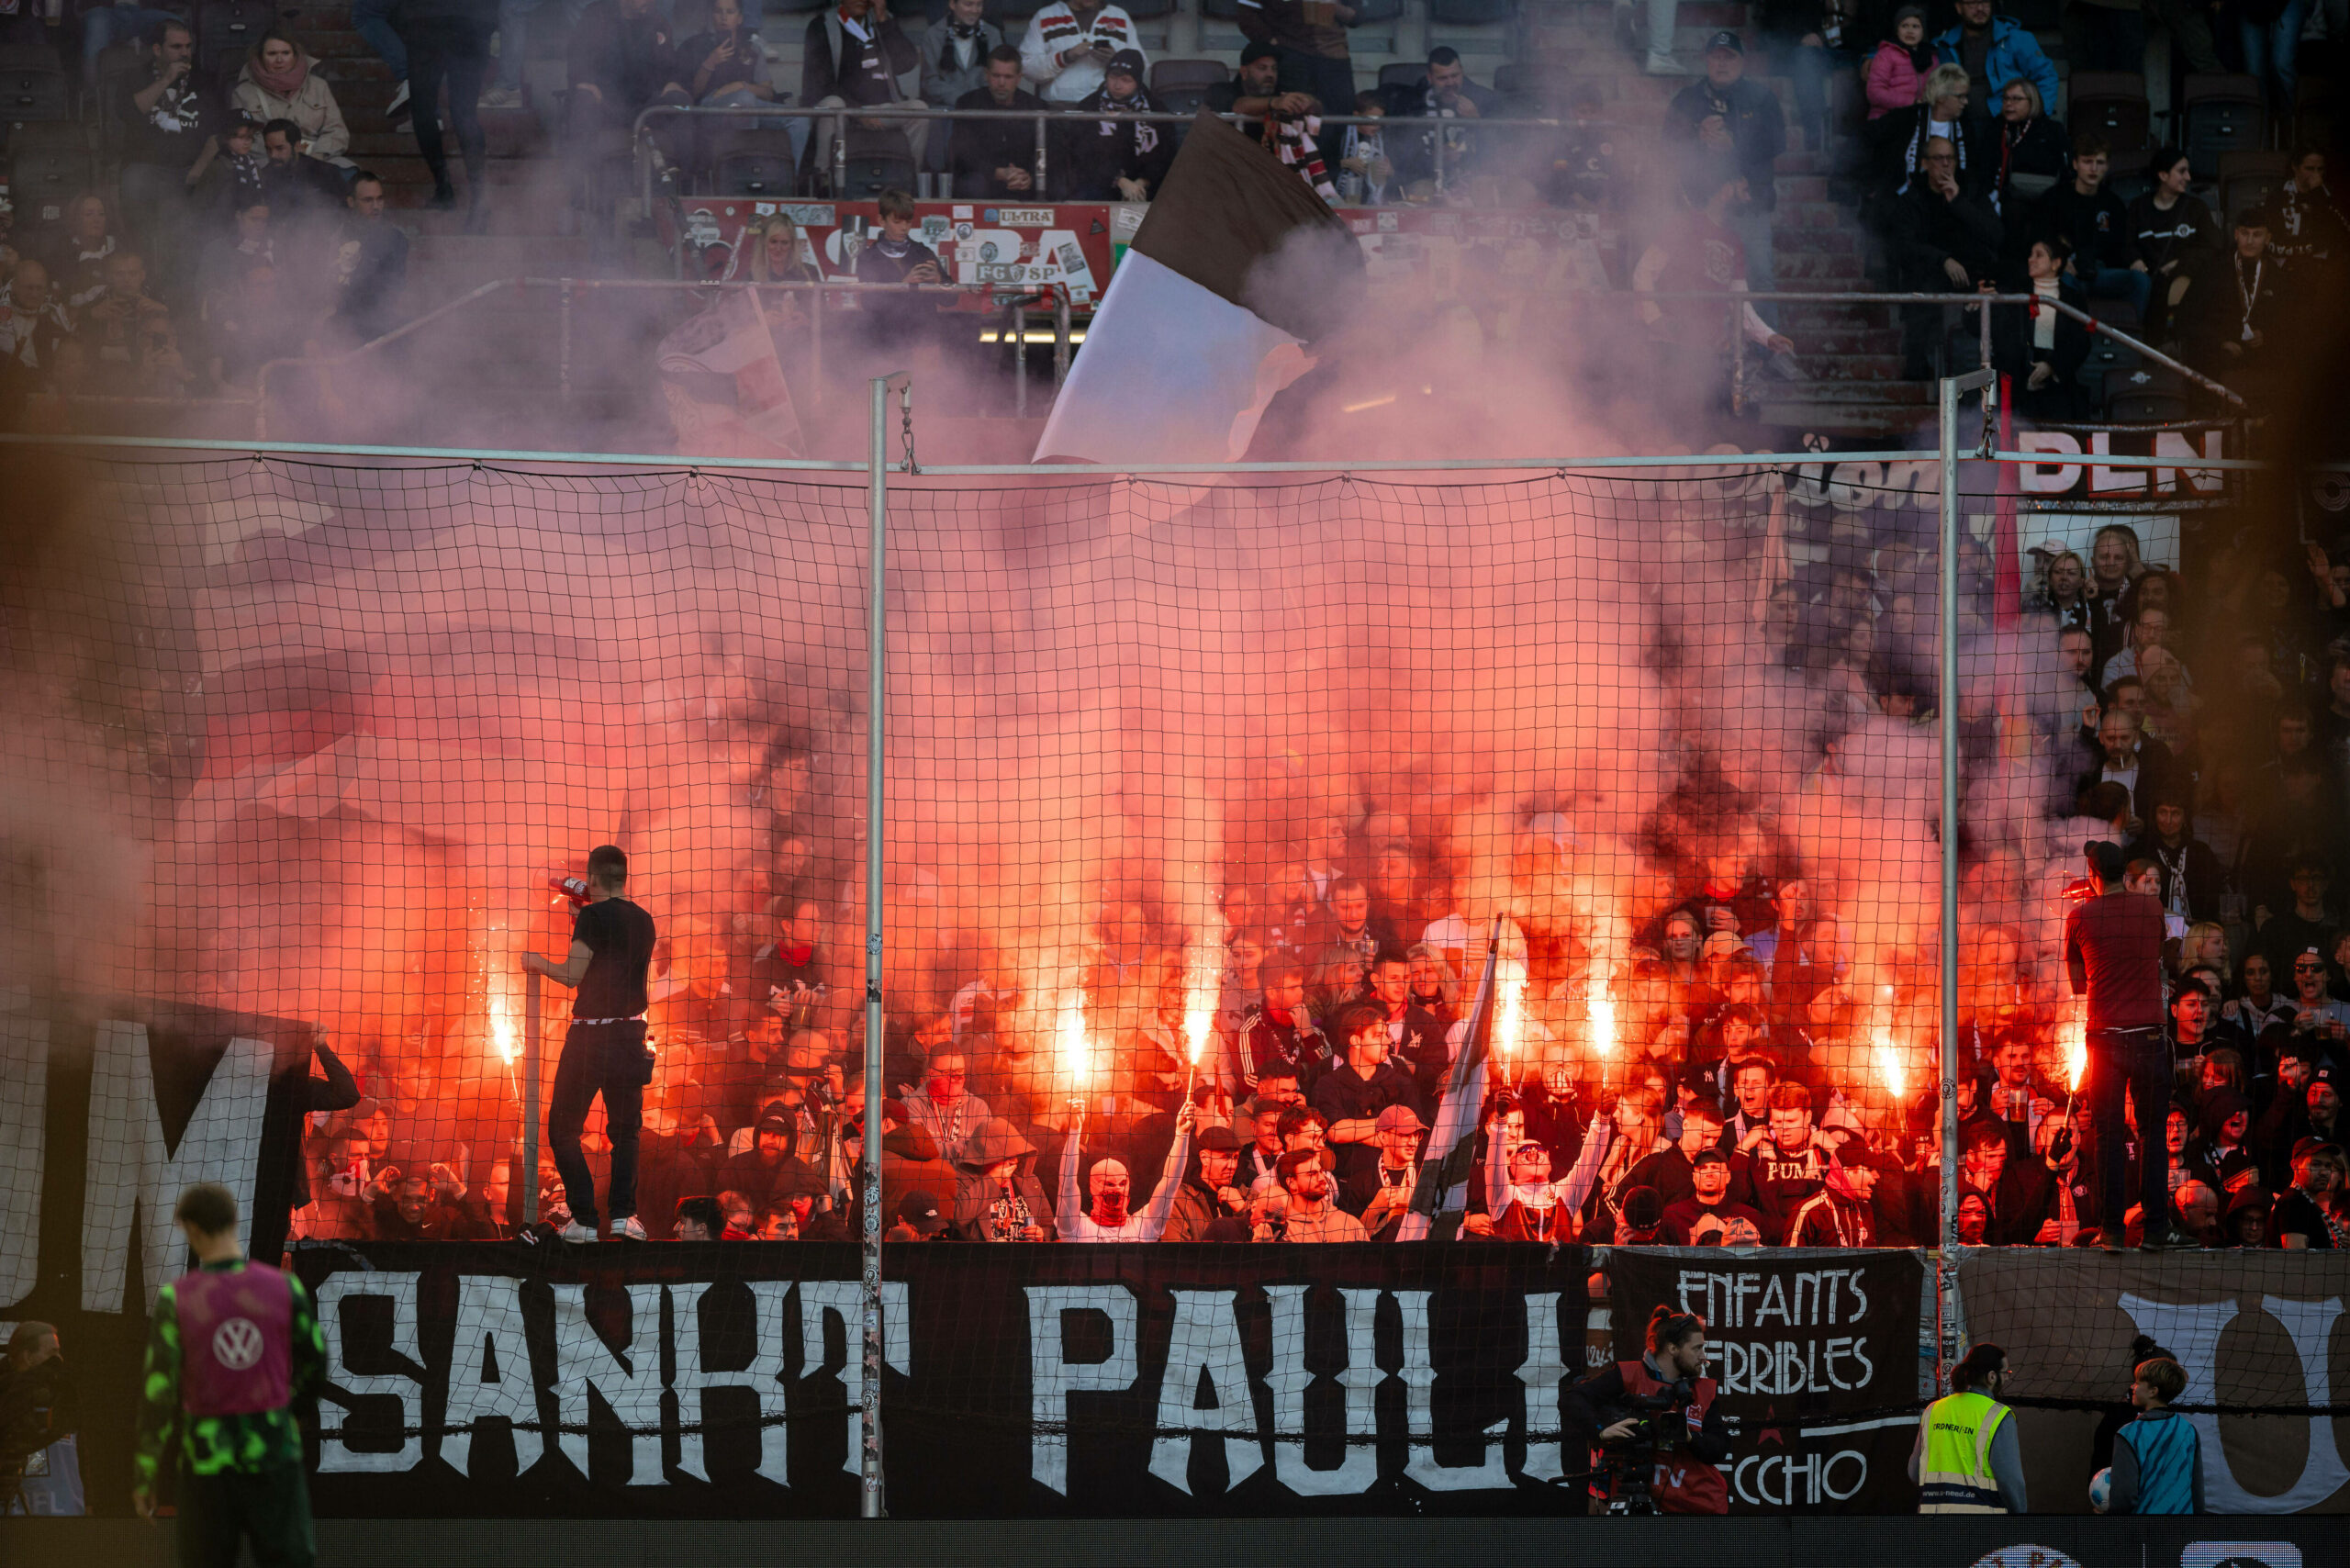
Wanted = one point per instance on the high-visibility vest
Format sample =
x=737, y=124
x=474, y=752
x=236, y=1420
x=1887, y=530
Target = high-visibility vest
x=1955, y=1478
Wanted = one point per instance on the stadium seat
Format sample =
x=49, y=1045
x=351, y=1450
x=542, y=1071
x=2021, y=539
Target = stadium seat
x=2246, y=178
x=1401, y=74
x=2106, y=365
x=2147, y=395
x=2035, y=16
x=225, y=30
x=1378, y=11
x=756, y=172
x=870, y=173
x=1143, y=10
x=48, y=162
x=2114, y=102
x=2224, y=114
x=1175, y=75
x=33, y=91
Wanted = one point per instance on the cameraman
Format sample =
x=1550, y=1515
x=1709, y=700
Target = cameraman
x=1654, y=1432
x=40, y=1474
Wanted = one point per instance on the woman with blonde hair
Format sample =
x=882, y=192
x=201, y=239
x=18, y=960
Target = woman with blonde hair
x=2206, y=943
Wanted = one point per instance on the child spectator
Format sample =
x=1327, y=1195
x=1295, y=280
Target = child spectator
x=2158, y=1457
x=1900, y=62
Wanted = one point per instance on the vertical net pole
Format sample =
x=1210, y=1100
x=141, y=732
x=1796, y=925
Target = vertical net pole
x=877, y=647
x=1946, y=705
x=529, y=1175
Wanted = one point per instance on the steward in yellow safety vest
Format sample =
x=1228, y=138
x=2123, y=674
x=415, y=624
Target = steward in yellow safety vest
x=1966, y=1459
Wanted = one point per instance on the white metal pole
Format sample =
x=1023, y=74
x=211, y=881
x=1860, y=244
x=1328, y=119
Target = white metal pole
x=877, y=471
x=1946, y=704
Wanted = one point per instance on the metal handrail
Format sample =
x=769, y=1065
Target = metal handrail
x=261, y=377
x=1040, y=119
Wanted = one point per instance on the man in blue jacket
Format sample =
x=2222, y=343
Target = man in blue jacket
x=1994, y=50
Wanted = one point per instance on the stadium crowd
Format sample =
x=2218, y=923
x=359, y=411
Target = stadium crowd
x=2212, y=734
x=231, y=225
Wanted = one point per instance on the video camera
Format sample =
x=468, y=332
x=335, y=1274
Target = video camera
x=1629, y=1463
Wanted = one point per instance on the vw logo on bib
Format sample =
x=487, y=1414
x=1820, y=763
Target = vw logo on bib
x=236, y=1344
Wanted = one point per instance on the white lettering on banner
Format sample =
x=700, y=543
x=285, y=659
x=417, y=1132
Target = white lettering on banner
x=1288, y=1379
x=24, y=1133
x=1823, y=1298
x=2191, y=1332
x=845, y=1299
x=1053, y=1377
x=764, y=1376
x=2047, y=478
x=1419, y=1376
x=2203, y=481
x=1206, y=1343
x=490, y=1372
x=584, y=1363
x=1543, y=1372
x=1839, y=1364
x=1819, y=1476
x=335, y=1452
x=132, y=1179
x=2117, y=481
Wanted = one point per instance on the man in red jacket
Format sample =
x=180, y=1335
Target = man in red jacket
x=2113, y=950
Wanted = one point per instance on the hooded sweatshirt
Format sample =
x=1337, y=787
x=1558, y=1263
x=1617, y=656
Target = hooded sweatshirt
x=988, y=1210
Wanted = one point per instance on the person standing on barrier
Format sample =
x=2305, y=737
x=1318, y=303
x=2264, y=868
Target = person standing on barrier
x=1656, y=1432
x=233, y=1351
x=1966, y=1459
x=2113, y=949
x=605, y=1053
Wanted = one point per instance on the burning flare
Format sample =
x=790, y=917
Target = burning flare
x=2074, y=1033
x=1072, y=1044
x=1889, y=1067
x=1603, y=1019
x=505, y=1032
x=1202, y=985
x=1509, y=997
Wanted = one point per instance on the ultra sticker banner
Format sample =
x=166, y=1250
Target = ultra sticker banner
x=723, y=1378
x=1817, y=1355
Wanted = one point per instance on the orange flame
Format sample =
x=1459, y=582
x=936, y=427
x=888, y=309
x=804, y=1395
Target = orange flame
x=1890, y=1068
x=1603, y=1020
x=1071, y=1042
x=2074, y=1033
x=504, y=1032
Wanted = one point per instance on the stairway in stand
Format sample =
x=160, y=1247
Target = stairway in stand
x=1850, y=353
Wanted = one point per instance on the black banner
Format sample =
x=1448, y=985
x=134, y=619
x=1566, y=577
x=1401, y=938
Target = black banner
x=722, y=1379
x=107, y=1111
x=1817, y=1355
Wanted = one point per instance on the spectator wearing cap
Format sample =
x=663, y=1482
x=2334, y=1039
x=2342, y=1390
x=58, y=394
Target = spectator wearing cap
x=1115, y=157
x=1308, y=40
x=1312, y=1212
x=1711, y=1215
x=1672, y=1170
x=1438, y=103
x=917, y=1217
x=2324, y=1100
x=1527, y=1205
x=1842, y=1213
x=1212, y=1202
x=2191, y=876
x=997, y=1195
x=1728, y=128
x=2304, y=1218
x=1352, y=1096
x=1640, y=1220
x=1380, y=1195
x=2315, y=1013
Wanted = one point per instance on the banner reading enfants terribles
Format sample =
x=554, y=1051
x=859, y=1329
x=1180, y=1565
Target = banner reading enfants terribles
x=1825, y=1337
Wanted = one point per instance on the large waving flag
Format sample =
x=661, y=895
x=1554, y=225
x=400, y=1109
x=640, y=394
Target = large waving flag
x=724, y=388
x=1441, y=1196
x=1200, y=329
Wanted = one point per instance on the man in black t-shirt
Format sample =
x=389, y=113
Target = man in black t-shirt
x=611, y=948
x=169, y=122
